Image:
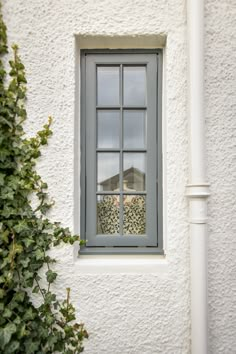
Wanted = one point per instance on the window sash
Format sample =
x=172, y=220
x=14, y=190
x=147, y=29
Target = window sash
x=152, y=200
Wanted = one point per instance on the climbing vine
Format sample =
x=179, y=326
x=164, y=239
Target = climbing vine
x=26, y=234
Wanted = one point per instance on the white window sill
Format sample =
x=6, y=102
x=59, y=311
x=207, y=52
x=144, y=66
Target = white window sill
x=132, y=264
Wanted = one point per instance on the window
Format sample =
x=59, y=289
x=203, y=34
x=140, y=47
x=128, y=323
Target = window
x=121, y=152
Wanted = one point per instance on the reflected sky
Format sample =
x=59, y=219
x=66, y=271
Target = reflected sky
x=108, y=128
x=134, y=85
x=108, y=85
x=134, y=129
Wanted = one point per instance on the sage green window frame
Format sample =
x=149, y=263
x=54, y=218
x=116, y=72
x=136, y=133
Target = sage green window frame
x=152, y=241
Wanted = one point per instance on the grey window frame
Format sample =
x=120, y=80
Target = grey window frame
x=105, y=244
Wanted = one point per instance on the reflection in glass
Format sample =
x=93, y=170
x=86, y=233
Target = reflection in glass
x=135, y=85
x=108, y=85
x=134, y=214
x=134, y=171
x=108, y=218
x=108, y=123
x=134, y=129
x=108, y=178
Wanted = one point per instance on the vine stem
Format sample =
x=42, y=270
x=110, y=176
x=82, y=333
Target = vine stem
x=19, y=277
x=40, y=289
x=67, y=303
x=47, y=263
x=13, y=249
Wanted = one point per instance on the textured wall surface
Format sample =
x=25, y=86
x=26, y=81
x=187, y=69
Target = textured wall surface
x=220, y=75
x=139, y=312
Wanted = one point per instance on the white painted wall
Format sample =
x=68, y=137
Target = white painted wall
x=139, y=305
x=220, y=76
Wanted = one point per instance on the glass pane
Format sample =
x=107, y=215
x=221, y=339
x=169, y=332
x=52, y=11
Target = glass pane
x=135, y=85
x=134, y=214
x=134, y=168
x=108, y=129
x=134, y=129
x=108, y=178
x=108, y=218
x=108, y=85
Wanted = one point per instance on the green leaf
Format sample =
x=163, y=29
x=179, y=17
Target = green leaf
x=49, y=298
x=12, y=347
x=5, y=235
x=28, y=241
x=5, y=121
x=21, y=78
x=31, y=346
x=36, y=289
x=29, y=315
x=7, y=313
x=24, y=262
x=51, y=276
x=21, y=226
x=20, y=66
x=21, y=331
x=2, y=177
x=39, y=254
x=6, y=334
x=19, y=296
x=18, y=248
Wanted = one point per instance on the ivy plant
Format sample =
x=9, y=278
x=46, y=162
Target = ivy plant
x=26, y=234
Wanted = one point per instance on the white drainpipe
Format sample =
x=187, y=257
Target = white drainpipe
x=197, y=189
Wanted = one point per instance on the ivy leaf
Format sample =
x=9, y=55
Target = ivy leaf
x=21, y=331
x=19, y=296
x=21, y=226
x=29, y=315
x=19, y=66
x=21, y=78
x=24, y=262
x=51, y=276
x=5, y=235
x=28, y=241
x=39, y=254
x=2, y=177
x=12, y=347
x=52, y=340
x=31, y=346
x=36, y=289
x=8, y=193
x=7, y=313
x=18, y=248
x=6, y=334
x=49, y=319
x=49, y=298
x=28, y=275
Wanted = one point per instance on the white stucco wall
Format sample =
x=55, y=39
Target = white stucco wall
x=220, y=74
x=142, y=307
